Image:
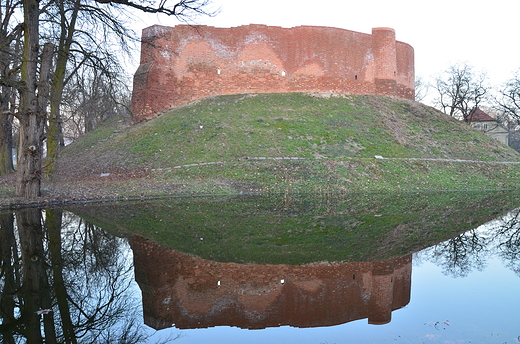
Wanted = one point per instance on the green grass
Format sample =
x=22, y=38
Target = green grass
x=336, y=202
x=335, y=138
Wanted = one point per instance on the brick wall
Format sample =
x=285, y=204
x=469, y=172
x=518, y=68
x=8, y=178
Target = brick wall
x=185, y=63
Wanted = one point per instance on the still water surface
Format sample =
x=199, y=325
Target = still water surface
x=100, y=283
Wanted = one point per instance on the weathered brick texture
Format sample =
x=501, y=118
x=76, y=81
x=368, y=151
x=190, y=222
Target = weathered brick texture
x=185, y=63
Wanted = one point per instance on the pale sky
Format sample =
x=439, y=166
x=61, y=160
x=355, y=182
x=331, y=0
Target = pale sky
x=443, y=32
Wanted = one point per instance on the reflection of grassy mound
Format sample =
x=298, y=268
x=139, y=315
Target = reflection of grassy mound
x=300, y=230
x=296, y=142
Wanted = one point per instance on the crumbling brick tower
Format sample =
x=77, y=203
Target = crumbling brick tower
x=185, y=63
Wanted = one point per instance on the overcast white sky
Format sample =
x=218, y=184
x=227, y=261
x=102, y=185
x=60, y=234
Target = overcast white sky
x=443, y=32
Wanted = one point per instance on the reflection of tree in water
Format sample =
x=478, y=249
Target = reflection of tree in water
x=73, y=268
x=468, y=251
x=507, y=238
x=461, y=254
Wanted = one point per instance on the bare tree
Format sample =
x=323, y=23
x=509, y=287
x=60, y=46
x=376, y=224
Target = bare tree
x=90, y=98
x=460, y=91
x=421, y=88
x=32, y=85
x=10, y=40
x=514, y=139
x=183, y=10
x=79, y=48
x=30, y=152
x=508, y=100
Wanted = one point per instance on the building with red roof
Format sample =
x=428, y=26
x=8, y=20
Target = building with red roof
x=489, y=125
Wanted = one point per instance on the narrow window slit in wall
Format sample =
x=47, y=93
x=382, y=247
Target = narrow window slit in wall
x=355, y=78
x=283, y=73
x=218, y=71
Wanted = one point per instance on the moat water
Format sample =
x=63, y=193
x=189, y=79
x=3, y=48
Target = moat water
x=361, y=268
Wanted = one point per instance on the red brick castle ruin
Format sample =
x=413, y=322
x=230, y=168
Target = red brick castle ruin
x=185, y=63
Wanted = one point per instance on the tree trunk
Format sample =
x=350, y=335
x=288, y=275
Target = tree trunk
x=30, y=152
x=9, y=43
x=29, y=173
x=6, y=127
x=54, y=133
x=34, y=276
x=6, y=137
x=8, y=257
x=54, y=221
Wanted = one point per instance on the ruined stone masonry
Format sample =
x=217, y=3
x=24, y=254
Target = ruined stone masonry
x=185, y=63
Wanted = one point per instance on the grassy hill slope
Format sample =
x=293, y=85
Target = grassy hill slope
x=291, y=142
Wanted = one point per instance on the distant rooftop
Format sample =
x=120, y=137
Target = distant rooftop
x=480, y=116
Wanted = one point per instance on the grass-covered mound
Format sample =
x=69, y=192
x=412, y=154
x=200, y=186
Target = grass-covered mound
x=292, y=142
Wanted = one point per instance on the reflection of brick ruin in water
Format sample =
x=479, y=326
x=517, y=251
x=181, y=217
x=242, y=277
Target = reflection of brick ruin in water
x=185, y=63
x=195, y=293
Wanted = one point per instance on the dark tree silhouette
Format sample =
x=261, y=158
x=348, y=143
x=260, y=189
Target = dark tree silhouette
x=460, y=90
x=459, y=255
x=68, y=277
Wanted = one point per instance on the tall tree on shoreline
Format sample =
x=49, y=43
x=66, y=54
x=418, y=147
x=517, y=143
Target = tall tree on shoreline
x=10, y=47
x=33, y=91
x=30, y=152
